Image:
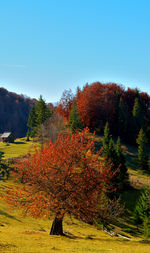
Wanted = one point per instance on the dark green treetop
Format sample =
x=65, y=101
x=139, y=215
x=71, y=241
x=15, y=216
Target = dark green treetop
x=114, y=154
x=142, y=157
x=142, y=211
x=32, y=122
x=74, y=118
x=42, y=111
x=106, y=139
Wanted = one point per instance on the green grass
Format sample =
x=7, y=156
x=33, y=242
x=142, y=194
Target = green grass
x=26, y=235
x=18, y=148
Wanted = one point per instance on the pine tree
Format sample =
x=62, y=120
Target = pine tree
x=114, y=154
x=142, y=212
x=74, y=118
x=32, y=122
x=136, y=109
x=123, y=174
x=106, y=139
x=125, y=122
x=142, y=157
x=138, y=120
x=42, y=111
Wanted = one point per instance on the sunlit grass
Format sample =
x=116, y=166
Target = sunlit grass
x=25, y=234
x=18, y=148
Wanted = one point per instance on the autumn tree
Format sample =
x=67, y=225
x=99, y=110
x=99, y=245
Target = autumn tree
x=65, y=103
x=53, y=126
x=64, y=178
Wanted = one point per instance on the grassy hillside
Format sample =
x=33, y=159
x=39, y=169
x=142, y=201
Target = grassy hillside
x=18, y=148
x=25, y=234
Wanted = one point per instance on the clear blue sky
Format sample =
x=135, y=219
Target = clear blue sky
x=47, y=46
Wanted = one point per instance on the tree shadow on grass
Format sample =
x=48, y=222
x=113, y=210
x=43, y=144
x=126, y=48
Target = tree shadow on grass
x=1, y=154
x=129, y=199
x=8, y=215
x=92, y=238
x=20, y=142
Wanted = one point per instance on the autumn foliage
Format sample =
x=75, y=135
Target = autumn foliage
x=67, y=177
x=99, y=103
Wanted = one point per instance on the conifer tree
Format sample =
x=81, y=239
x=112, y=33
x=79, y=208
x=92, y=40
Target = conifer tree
x=42, y=111
x=136, y=109
x=106, y=139
x=125, y=122
x=137, y=116
x=32, y=122
x=74, y=118
x=114, y=154
x=142, y=211
x=123, y=174
x=142, y=157
x=38, y=115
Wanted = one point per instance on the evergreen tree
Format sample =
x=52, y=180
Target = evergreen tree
x=138, y=120
x=42, y=111
x=123, y=174
x=142, y=157
x=42, y=114
x=28, y=135
x=38, y=115
x=74, y=118
x=106, y=139
x=142, y=211
x=136, y=109
x=32, y=122
x=114, y=154
x=125, y=122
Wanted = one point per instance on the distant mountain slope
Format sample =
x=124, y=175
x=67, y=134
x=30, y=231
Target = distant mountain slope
x=14, y=112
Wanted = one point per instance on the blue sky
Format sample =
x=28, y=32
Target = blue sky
x=47, y=46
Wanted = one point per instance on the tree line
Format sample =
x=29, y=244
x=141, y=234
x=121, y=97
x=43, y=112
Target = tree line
x=14, y=112
x=126, y=111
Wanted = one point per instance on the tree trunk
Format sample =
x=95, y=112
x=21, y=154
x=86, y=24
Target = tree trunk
x=57, y=228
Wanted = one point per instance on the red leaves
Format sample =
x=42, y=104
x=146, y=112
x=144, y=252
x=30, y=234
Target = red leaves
x=65, y=177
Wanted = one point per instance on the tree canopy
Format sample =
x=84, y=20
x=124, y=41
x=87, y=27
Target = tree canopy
x=126, y=111
x=66, y=177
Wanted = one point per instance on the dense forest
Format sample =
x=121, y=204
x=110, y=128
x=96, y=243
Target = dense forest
x=126, y=111
x=14, y=112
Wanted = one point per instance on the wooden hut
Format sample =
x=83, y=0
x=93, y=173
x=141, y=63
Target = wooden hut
x=7, y=137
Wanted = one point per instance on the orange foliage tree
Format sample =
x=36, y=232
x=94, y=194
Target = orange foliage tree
x=66, y=177
x=97, y=105
x=65, y=103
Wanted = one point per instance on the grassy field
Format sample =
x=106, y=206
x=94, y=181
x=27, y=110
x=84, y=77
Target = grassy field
x=18, y=148
x=25, y=235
